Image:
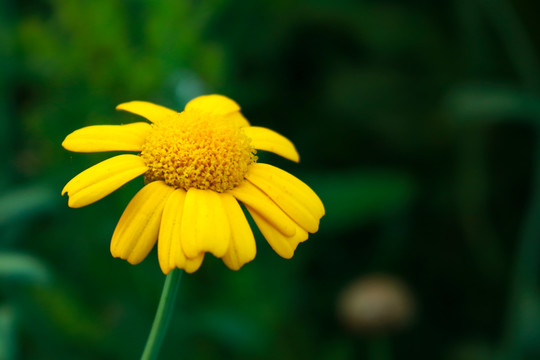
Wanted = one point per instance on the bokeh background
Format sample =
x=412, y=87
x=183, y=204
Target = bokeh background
x=416, y=122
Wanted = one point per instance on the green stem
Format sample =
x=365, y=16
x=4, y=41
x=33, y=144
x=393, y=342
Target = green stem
x=163, y=315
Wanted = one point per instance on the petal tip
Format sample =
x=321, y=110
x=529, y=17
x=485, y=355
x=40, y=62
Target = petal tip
x=73, y=204
x=165, y=271
x=68, y=143
x=134, y=260
x=233, y=267
x=114, y=254
x=123, y=105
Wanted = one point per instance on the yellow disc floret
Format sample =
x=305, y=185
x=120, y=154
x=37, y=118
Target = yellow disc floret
x=197, y=150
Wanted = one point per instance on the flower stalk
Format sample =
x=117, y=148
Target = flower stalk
x=163, y=315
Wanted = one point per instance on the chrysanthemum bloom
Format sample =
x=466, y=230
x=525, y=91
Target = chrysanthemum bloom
x=197, y=165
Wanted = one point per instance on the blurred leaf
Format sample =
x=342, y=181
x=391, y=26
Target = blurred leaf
x=7, y=333
x=68, y=314
x=352, y=198
x=526, y=321
x=25, y=202
x=22, y=268
x=485, y=103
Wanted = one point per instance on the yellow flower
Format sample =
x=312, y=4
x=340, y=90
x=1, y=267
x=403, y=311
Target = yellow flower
x=197, y=165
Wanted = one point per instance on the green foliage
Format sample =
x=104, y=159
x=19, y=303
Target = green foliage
x=354, y=198
x=7, y=333
x=22, y=268
x=23, y=203
x=473, y=103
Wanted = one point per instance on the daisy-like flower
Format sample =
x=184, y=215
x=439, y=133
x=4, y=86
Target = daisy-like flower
x=197, y=165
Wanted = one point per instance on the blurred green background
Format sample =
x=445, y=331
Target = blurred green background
x=417, y=125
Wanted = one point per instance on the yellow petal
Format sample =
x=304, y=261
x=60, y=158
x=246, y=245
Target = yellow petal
x=213, y=104
x=284, y=246
x=237, y=119
x=148, y=110
x=290, y=184
x=242, y=248
x=218, y=105
x=170, y=253
x=269, y=140
x=253, y=197
x=191, y=264
x=205, y=226
x=102, y=179
x=108, y=138
x=300, y=204
x=169, y=232
x=137, y=229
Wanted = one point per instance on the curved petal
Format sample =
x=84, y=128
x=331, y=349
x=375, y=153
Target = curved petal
x=100, y=138
x=170, y=253
x=290, y=184
x=137, y=229
x=169, y=230
x=148, y=110
x=237, y=119
x=253, y=197
x=284, y=246
x=102, y=179
x=218, y=105
x=300, y=203
x=205, y=226
x=242, y=248
x=213, y=104
x=269, y=140
x=190, y=265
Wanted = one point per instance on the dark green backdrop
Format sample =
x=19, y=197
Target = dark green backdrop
x=416, y=123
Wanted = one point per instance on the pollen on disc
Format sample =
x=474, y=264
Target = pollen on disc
x=197, y=150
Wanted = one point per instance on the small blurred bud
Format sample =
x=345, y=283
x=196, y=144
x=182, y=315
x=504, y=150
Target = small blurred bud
x=375, y=304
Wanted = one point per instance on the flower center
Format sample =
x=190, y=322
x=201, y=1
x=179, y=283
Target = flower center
x=197, y=150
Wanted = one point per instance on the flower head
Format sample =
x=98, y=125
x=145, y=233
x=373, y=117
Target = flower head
x=198, y=165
